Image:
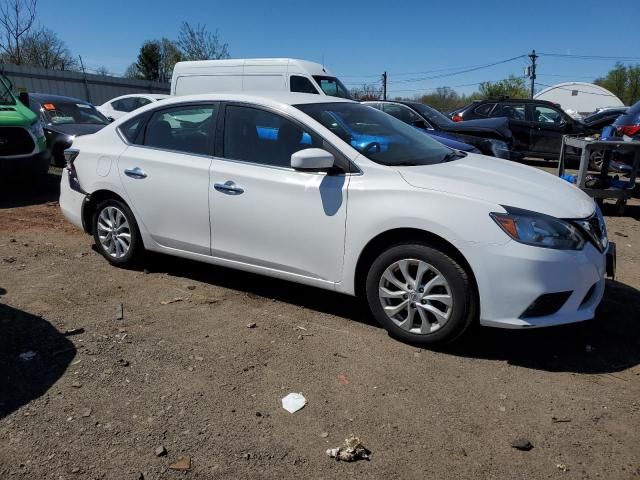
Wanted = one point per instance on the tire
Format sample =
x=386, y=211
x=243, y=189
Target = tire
x=114, y=212
x=442, y=311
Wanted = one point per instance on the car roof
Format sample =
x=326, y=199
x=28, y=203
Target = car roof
x=141, y=94
x=45, y=97
x=264, y=98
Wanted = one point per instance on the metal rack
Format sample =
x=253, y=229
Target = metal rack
x=621, y=195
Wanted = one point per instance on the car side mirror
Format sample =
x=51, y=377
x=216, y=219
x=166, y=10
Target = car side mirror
x=312, y=159
x=24, y=98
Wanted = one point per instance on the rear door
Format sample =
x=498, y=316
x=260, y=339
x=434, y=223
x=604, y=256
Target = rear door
x=165, y=173
x=518, y=123
x=548, y=126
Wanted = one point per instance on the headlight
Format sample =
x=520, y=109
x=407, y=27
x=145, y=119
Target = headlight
x=36, y=130
x=539, y=230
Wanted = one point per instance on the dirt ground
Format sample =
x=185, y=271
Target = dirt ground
x=178, y=367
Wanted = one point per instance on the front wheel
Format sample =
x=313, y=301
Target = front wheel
x=420, y=294
x=116, y=233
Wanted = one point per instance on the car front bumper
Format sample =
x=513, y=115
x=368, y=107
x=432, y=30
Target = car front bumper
x=28, y=166
x=512, y=277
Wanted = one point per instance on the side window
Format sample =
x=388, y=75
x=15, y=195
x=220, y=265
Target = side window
x=301, y=85
x=402, y=113
x=546, y=115
x=484, y=109
x=182, y=129
x=510, y=110
x=130, y=129
x=258, y=136
x=142, y=102
x=125, y=104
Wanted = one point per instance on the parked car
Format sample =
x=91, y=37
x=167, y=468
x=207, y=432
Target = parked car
x=604, y=116
x=537, y=125
x=63, y=119
x=433, y=238
x=23, y=146
x=255, y=74
x=120, y=106
x=490, y=136
x=625, y=127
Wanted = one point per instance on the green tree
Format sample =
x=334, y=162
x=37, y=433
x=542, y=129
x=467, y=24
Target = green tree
x=513, y=87
x=623, y=81
x=155, y=61
x=149, y=60
x=443, y=99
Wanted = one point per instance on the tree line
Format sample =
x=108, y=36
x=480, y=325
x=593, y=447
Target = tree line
x=24, y=42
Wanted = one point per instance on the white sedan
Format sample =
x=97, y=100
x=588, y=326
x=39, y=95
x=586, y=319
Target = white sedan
x=121, y=106
x=335, y=194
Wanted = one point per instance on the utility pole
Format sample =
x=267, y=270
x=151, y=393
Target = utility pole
x=384, y=85
x=84, y=77
x=532, y=73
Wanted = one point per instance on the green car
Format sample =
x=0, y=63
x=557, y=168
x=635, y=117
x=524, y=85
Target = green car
x=23, y=145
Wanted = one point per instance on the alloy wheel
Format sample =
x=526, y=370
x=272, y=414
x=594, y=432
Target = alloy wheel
x=114, y=232
x=415, y=296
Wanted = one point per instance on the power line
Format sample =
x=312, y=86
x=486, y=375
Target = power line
x=460, y=72
x=589, y=57
x=462, y=69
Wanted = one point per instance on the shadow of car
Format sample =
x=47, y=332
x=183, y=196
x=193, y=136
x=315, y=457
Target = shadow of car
x=33, y=356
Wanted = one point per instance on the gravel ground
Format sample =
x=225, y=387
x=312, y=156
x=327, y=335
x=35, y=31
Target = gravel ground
x=134, y=371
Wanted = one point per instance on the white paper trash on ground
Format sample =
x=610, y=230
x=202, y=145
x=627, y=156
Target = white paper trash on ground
x=293, y=402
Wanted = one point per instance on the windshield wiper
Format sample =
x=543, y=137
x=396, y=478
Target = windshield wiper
x=453, y=155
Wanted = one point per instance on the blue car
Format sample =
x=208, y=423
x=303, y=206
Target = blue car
x=626, y=127
x=364, y=137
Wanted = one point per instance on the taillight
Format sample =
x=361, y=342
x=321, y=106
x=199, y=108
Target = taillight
x=457, y=118
x=70, y=155
x=629, y=130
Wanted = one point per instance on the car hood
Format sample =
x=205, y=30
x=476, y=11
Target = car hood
x=502, y=182
x=75, y=128
x=451, y=141
x=482, y=127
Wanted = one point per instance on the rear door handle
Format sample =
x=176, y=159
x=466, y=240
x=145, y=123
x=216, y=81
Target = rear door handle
x=136, y=172
x=228, y=187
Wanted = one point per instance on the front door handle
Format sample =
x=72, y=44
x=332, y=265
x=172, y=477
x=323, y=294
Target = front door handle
x=228, y=187
x=136, y=172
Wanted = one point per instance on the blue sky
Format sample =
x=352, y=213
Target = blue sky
x=358, y=40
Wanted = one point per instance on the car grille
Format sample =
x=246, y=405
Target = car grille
x=15, y=141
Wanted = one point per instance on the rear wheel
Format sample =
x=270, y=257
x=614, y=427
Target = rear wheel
x=420, y=294
x=115, y=232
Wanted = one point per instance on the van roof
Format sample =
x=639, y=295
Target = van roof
x=312, y=67
x=264, y=98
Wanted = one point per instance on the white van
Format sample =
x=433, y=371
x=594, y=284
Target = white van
x=255, y=74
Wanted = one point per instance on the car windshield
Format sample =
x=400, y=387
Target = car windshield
x=332, y=86
x=67, y=113
x=380, y=137
x=6, y=97
x=433, y=115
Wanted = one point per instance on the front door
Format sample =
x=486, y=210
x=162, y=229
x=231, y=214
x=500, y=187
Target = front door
x=264, y=213
x=166, y=176
x=520, y=127
x=548, y=127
